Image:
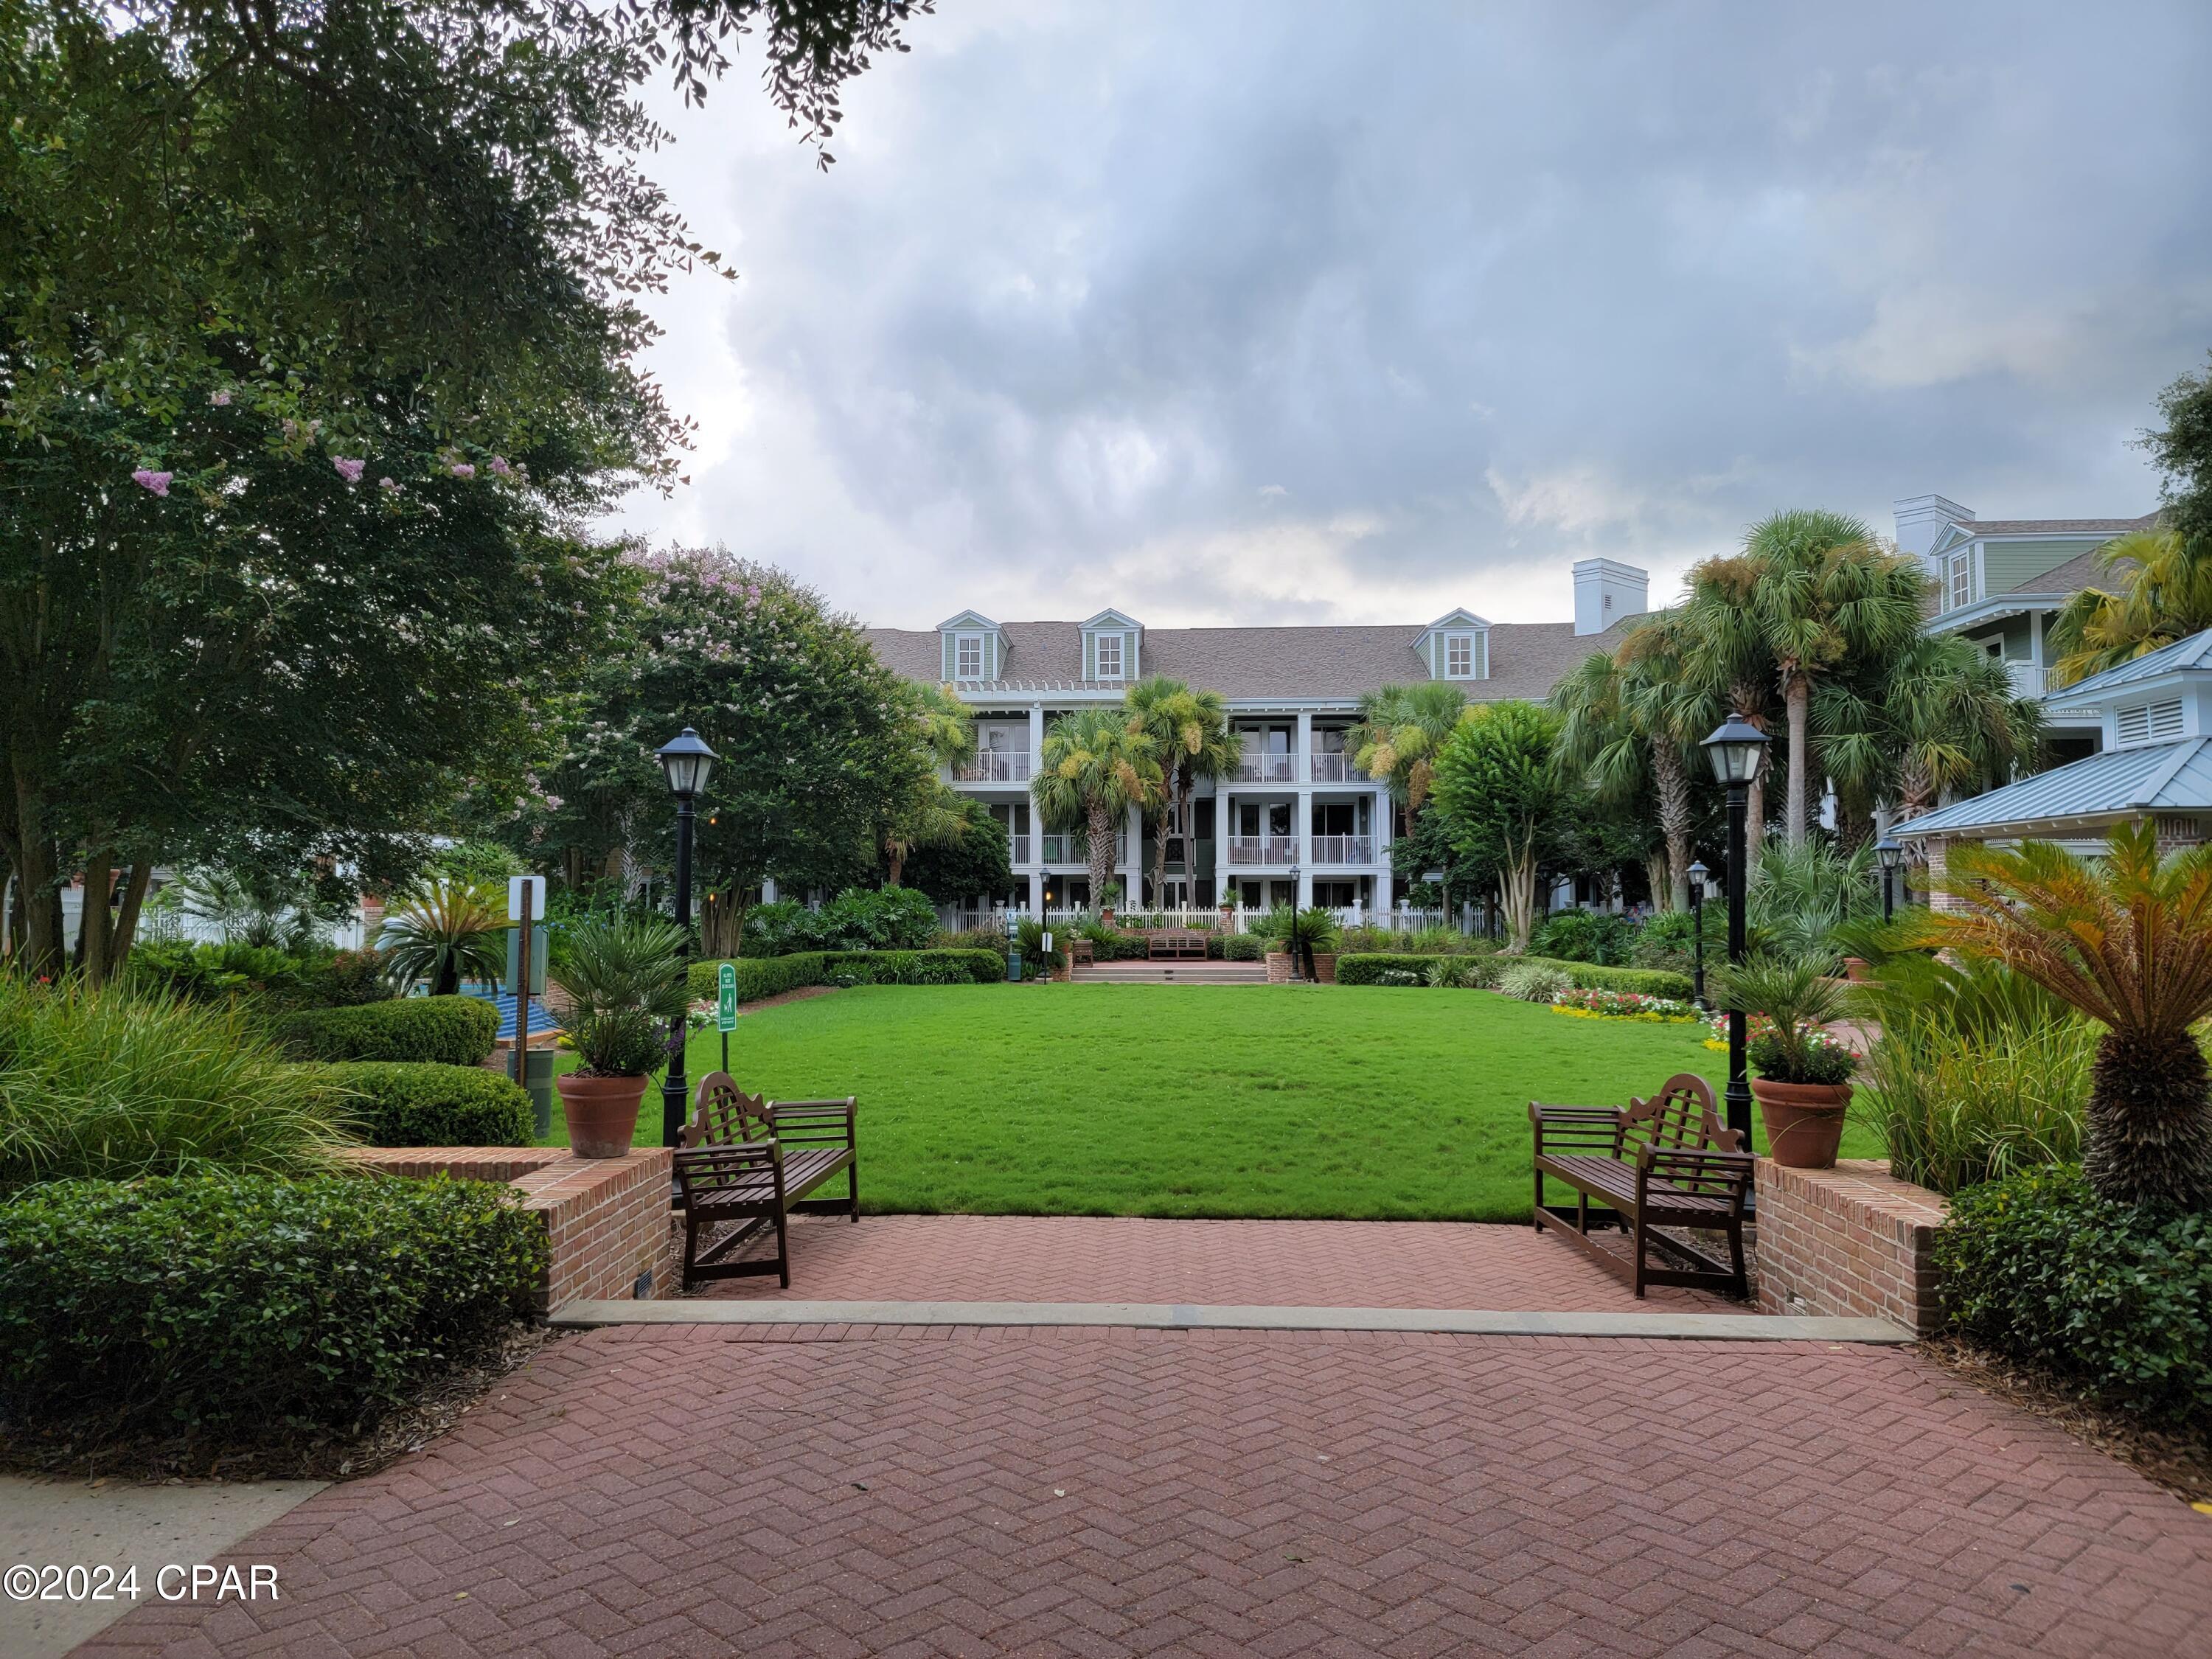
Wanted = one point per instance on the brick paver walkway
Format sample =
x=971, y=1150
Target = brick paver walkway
x=1309, y=1264
x=691, y=1490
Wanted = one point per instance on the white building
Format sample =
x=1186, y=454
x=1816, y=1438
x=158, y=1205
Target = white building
x=1300, y=823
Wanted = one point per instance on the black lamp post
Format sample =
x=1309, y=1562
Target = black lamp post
x=1699, y=876
x=685, y=761
x=1297, y=940
x=1737, y=749
x=1891, y=851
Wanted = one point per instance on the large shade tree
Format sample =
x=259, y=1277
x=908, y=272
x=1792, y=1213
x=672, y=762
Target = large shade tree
x=1096, y=765
x=1506, y=798
x=2127, y=938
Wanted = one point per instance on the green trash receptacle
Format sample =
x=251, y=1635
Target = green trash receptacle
x=540, y=1085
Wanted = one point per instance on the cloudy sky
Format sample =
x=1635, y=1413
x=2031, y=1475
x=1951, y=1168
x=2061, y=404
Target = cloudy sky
x=1288, y=312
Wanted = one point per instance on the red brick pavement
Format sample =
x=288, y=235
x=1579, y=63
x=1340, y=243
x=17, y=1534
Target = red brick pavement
x=831, y=1492
x=1310, y=1264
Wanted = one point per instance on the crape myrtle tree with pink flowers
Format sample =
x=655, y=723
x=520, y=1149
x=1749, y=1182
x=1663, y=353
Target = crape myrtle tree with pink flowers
x=820, y=745
x=319, y=329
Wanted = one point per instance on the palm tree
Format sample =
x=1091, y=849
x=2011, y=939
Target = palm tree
x=1191, y=735
x=1628, y=722
x=946, y=724
x=2167, y=597
x=1727, y=660
x=2126, y=938
x=934, y=814
x=1096, y=766
x=444, y=932
x=1400, y=731
x=1945, y=717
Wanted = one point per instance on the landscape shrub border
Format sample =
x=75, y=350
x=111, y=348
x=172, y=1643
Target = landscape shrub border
x=1368, y=968
x=454, y=1030
x=247, y=1303
x=768, y=977
x=419, y=1104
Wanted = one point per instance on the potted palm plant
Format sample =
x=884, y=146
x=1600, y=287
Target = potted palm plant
x=624, y=978
x=1802, y=1075
x=1108, y=900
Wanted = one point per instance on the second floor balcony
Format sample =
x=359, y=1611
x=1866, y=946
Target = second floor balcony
x=993, y=766
x=1281, y=851
x=1336, y=768
x=1344, y=849
x=1267, y=768
x=1065, y=847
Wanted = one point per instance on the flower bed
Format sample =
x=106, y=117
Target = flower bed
x=1756, y=1026
x=1623, y=1004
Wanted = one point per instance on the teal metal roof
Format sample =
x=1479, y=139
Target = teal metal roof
x=2194, y=652
x=2157, y=777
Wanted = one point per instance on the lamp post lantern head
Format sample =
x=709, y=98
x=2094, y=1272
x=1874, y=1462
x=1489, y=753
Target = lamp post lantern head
x=1698, y=877
x=1890, y=851
x=1736, y=749
x=686, y=760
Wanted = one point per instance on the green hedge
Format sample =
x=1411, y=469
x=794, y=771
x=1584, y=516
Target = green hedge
x=412, y=1104
x=247, y=1302
x=768, y=977
x=456, y=1030
x=1372, y=968
x=2109, y=1295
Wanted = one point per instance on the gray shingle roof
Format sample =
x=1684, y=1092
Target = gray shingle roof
x=2058, y=527
x=2159, y=777
x=1527, y=660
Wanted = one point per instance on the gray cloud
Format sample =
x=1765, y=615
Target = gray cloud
x=1274, y=311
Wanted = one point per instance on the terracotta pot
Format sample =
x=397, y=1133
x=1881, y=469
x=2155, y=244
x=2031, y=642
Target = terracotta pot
x=1804, y=1121
x=1106, y=914
x=1325, y=967
x=602, y=1112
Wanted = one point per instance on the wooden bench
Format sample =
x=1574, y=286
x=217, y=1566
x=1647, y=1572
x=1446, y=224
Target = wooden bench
x=1665, y=1162
x=1080, y=951
x=1177, y=944
x=747, y=1163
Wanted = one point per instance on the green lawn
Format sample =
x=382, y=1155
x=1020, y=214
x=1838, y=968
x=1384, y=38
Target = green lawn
x=1324, y=1100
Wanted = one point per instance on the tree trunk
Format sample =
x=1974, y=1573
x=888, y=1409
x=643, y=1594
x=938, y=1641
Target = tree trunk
x=126, y=917
x=1658, y=874
x=2150, y=1129
x=1797, y=703
x=1101, y=852
x=93, y=924
x=1672, y=777
x=1517, y=890
x=38, y=885
x=896, y=859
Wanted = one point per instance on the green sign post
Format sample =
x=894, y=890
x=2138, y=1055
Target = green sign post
x=726, y=1006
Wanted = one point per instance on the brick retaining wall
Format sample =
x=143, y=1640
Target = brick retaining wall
x=1852, y=1241
x=606, y=1219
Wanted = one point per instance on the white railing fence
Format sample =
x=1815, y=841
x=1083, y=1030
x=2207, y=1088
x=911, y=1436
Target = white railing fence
x=1238, y=919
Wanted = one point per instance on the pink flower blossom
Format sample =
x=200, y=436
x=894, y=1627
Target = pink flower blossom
x=391, y=485
x=147, y=478
x=349, y=470
x=220, y=399
x=462, y=470
x=552, y=803
x=500, y=467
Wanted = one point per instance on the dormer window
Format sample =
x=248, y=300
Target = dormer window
x=1109, y=656
x=968, y=657
x=1459, y=656
x=1111, y=641
x=974, y=648
x=1456, y=646
x=1962, y=579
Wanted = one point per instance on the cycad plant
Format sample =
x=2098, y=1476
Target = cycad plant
x=443, y=932
x=623, y=977
x=2127, y=939
x=1301, y=933
x=1096, y=766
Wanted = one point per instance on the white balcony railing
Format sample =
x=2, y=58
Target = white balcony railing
x=2027, y=678
x=1063, y=848
x=1344, y=849
x=1336, y=768
x=1018, y=849
x=1282, y=850
x=1267, y=768
x=994, y=766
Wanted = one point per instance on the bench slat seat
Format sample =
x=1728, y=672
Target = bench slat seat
x=1664, y=1162
x=748, y=1164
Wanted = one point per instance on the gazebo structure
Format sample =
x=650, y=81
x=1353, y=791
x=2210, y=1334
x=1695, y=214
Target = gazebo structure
x=2155, y=762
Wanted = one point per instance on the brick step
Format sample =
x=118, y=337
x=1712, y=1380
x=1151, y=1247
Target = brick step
x=1172, y=972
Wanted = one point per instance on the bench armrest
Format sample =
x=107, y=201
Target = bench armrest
x=702, y=1169
x=1713, y=1173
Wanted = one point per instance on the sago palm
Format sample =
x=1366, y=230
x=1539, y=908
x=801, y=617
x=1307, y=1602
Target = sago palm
x=1096, y=768
x=1400, y=731
x=2166, y=595
x=1192, y=738
x=444, y=932
x=2127, y=938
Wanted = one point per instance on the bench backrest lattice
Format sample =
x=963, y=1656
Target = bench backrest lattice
x=1680, y=1117
x=723, y=1115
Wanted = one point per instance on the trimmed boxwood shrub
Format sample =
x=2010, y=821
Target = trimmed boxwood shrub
x=768, y=977
x=1249, y=947
x=456, y=1030
x=2113, y=1295
x=246, y=1301
x=414, y=1104
x=1380, y=968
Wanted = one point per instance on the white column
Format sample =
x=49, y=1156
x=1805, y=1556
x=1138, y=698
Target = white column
x=1380, y=821
x=1036, y=894
x=1133, y=864
x=1036, y=738
x=1302, y=806
x=768, y=891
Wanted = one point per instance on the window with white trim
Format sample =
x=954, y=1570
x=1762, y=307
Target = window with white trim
x=1109, y=657
x=1459, y=656
x=968, y=657
x=1962, y=579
